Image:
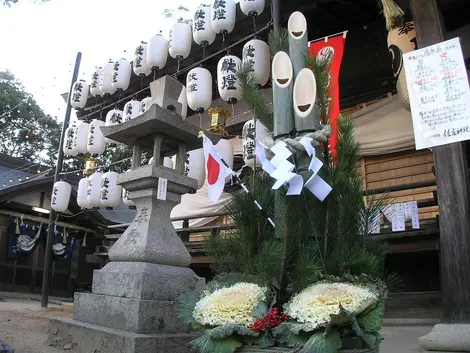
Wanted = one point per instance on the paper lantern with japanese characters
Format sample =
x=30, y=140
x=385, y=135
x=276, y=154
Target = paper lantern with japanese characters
x=252, y=7
x=131, y=110
x=122, y=70
x=113, y=117
x=203, y=33
x=110, y=193
x=125, y=198
x=256, y=56
x=180, y=41
x=402, y=40
x=225, y=150
x=195, y=166
x=167, y=162
x=81, y=138
x=96, y=140
x=145, y=104
x=141, y=66
x=157, y=52
x=249, y=133
x=95, y=90
x=106, y=79
x=61, y=196
x=223, y=14
x=93, y=189
x=82, y=199
x=69, y=148
x=79, y=94
x=227, y=80
x=199, y=89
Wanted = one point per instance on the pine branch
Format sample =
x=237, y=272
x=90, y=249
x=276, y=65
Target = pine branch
x=278, y=41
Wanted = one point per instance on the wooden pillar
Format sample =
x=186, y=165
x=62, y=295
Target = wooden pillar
x=453, y=192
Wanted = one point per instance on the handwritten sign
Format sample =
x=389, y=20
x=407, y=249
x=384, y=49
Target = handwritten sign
x=439, y=94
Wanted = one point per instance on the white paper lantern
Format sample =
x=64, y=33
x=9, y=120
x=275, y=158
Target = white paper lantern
x=203, y=34
x=82, y=199
x=227, y=80
x=195, y=166
x=157, y=52
x=95, y=82
x=96, y=140
x=93, y=189
x=252, y=7
x=81, y=137
x=114, y=117
x=184, y=103
x=223, y=14
x=79, y=94
x=199, y=89
x=145, y=104
x=121, y=75
x=106, y=80
x=69, y=148
x=167, y=162
x=131, y=110
x=125, y=198
x=180, y=41
x=256, y=55
x=225, y=150
x=110, y=193
x=61, y=196
x=141, y=66
x=249, y=133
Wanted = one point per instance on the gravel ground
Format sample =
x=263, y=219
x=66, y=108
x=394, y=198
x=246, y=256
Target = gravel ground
x=24, y=325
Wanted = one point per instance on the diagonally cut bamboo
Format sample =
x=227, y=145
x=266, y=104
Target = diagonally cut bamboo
x=298, y=41
x=304, y=97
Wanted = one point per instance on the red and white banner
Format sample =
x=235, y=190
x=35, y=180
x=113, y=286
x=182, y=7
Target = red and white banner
x=216, y=170
x=334, y=46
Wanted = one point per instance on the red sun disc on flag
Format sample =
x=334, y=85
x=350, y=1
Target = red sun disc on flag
x=213, y=170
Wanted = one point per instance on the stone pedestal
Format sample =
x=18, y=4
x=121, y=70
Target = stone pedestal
x=447, y=338
x=132, y=306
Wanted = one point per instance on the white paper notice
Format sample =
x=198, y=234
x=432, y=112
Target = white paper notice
x=411, y=213
x=439, y=94
x=161, y=190
x=398, y=223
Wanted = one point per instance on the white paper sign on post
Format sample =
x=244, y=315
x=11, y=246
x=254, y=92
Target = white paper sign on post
x=437, y=83
x=398, y=223
x=161, y=189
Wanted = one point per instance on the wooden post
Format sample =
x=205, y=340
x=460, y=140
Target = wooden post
x=453, y=191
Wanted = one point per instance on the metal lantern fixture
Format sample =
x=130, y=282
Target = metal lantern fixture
x=110, y=192
x=93, y=189
x=223, y=15
x=218, y=118
x=180, y=41
x=81, y=137
x=121, y=75
x=141, y=66
x=79, y=94
x=252, y=7
x=227, y=80
x=95, y=82
x=145, y=104
x=90, y=165
x=106, y=79
x=131, y=110
x=203, y=34
x=157, y=52
x=256, y=56
x=252, y=130
x=69, y=148
x=61, y=196
x=199, y=89
x=225, y=150
x=82, y=200
x=96, y=140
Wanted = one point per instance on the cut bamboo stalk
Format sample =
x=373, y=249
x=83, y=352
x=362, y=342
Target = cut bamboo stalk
x=304, y=97
x=283, y=82
x=298, y=41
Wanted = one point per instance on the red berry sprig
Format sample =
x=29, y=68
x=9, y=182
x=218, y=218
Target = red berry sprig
x=270, y=320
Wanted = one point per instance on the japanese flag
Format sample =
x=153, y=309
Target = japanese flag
x=216, y=171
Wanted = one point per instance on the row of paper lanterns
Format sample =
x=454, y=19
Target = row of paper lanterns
x=115, y=76
x=102, y=190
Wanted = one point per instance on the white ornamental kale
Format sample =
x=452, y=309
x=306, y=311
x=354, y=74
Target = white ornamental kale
x=314, y=305
x=230, y=305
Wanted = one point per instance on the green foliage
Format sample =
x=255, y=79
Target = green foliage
x=185, y=307
x=180, y=13
x=289, y=336
x=206, y=344
x=372, y=320
x=278, y=41
x=221, y=332
x=25, y=130
x=322, y=343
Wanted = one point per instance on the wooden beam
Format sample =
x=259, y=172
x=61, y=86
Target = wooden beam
x=453, y=190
